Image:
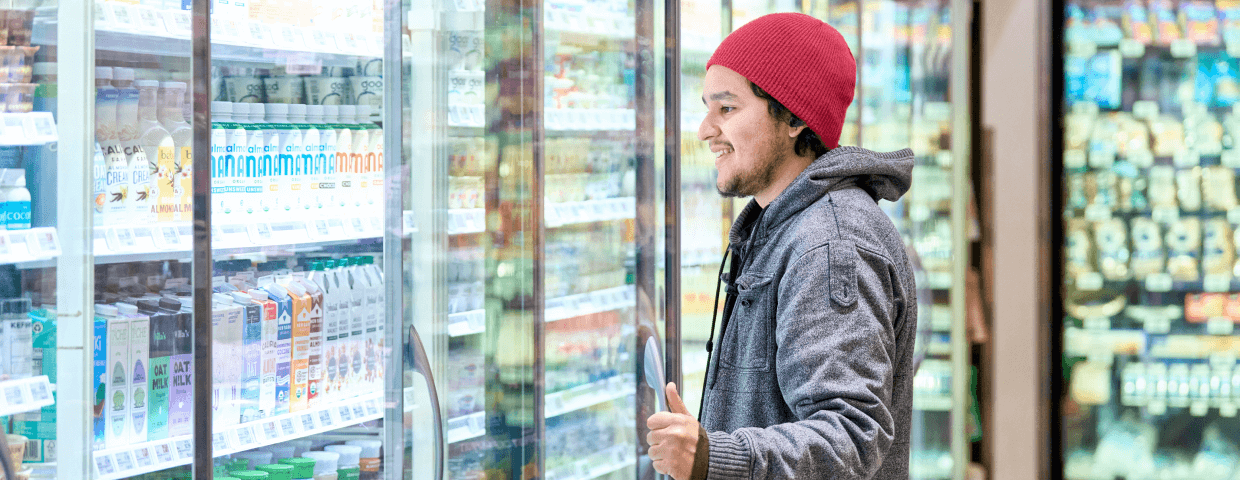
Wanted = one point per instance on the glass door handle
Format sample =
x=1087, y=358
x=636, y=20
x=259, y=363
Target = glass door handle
x=415, y=356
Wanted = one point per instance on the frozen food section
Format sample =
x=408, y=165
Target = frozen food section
x=1147, y=161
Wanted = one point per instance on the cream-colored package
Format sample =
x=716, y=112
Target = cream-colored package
x=1148, y=256
x=1188, y=189
x=1218, y=186
x=1218, y=253
x=1184, y=249
x=1111, y=239
x=1079, y=248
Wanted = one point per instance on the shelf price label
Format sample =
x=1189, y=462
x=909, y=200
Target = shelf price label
x=103, y=465
x=150, y=18
x=259, y=33
x=1220, y=326
x=260, y=233
x=144, y=456
x=163, y=452
x=325, y=418
x=1130, y=48
x=220, y=443
x=358, y=228
x=185, y=449
x=358, y=411
x=307, y=422
x=1227, y=409
x=1159, y=282
x=1217, y=283
x=124, y=461
x=345, y=414
x=1089, y=281
x=126, y=18
x=245, y=436
x=270, y=431
x=372, y=408
x=287, y=427
x=1183, y=48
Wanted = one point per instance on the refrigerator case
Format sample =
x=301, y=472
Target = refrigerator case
x=1146, y=166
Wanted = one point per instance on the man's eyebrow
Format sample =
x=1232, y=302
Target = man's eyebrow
x=724, y=95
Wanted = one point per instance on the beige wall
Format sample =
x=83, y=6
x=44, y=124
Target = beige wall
x=1011, y=74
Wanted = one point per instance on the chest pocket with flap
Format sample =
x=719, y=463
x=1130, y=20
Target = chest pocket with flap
x=749, y=343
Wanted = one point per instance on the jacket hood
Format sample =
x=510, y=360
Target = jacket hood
x=886, y=176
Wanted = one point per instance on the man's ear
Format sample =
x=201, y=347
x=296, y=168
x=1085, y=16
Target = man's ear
x=795, y=131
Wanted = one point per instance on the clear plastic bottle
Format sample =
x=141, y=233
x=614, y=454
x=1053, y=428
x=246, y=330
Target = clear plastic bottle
x=301, y=163
x=221, y=124
x=160, y=147
x=374, y=158
x=257, y=159
x=344, y=159
x=315, y=158
x=273, y=196
x=138, y=200
x=290, y=148
x=327, y=159
x=181, y=177
x=325, y=464
x=358, y=155
x=116, y=166
x=246, y=146
x=348, y=468
x=16, y=200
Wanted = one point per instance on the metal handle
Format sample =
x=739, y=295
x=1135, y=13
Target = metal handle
x=415, y=353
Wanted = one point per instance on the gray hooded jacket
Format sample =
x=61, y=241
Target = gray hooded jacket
x=812, y=377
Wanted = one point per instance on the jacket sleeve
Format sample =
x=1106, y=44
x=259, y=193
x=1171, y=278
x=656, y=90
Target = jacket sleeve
x=834, y=357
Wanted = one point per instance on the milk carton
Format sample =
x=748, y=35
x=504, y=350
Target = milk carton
x=284, y=341
x=139, y=363
x=117, y=402
x=300, y=369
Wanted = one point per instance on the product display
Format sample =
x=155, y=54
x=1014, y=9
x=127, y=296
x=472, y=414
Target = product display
x=1150, y=216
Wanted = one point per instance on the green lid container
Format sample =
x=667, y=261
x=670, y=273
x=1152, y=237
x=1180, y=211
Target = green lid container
x=226, y=478
x=241, y=464
x=250, y=475
x=277, y=471
x=302, y=467
x=350, y=473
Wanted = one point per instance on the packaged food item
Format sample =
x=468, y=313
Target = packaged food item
x=1219, y=188
x=1166, y=25
x=1148, y=256
x=1188, y=189
x=1218, y=253
x=1229, y=20
x=1200, y=22
x=328, y=90
x=1079, y=249
x=1111, y=239
x=1162, y=187
x=1168, y=133
x=1137, y=22
x=1184, y=249
x=1201, y=307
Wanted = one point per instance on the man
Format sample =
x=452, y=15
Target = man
x=812, y=373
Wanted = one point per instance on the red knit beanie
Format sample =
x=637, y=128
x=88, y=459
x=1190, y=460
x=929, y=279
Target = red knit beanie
x=801, y=61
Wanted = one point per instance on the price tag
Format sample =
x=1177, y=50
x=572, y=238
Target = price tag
x=345, y=414
x=350, y=41
x=4, y=244
x=1130, y=48
x=318, y=228
x=287, y=427
x=144, y=456
x=125, y=16
x=169, y=237
x=371, y=408
x=1098, y=213
x=259, y=33
x=287, y=37
x=185, y=449
x=13, y=395
x=245, y=436
x=376, y=224
x=1165, y=215
x=358, y=411
x=325, y=418
x=270, y=431
x=260, y=233
x=318, y=41
x=1074, y=159
x=124, y=461
x=1187, y=158
x=1217, y=283
x=1157, y=325
x=307, y=422
x=1089, y=281
x=1227, y=409
x=1158, y=282
x=124, y=238
x=1183, y=48
x=220, y=443
x=163, y=452
x=1082, y=48
x=357, y=226
x=103, y=465
x=1220, y=326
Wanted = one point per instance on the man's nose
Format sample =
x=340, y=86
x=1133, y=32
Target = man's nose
x=707, y=129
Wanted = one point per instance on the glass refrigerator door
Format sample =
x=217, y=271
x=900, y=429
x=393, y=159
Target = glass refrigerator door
x=1148, y=269
x=907, y=78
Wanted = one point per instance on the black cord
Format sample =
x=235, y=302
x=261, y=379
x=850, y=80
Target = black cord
x=710, y=341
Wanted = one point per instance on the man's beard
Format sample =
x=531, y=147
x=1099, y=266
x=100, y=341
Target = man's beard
x=749, y=182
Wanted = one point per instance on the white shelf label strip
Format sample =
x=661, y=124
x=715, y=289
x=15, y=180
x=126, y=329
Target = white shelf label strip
x=137, y=459
x=24, y=395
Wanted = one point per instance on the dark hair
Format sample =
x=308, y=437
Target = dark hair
x=807, y=140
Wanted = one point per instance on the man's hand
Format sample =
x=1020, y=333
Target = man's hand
x=673, y=437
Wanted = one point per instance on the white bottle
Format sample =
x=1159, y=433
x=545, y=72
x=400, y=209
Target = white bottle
x=16, y=200
x=221, y=124
x=269, y=161
x=239, y=178
x=301, y=164
x=116, y=174
x=160, y=150
x=344, y=158
x=313, y=133
x=170, y=115
x=257, y=160
x=361, y=149
x=327, y=158
x=356, y=287
x=139, y=205
x=295, y=150
x=287, y=138
x=374, y=158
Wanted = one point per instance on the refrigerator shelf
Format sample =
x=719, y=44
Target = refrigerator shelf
x=466, y=427
x=130, y=460
x=589, y=211
x=27, y=129
x=594, y=302
x=600, y=119
x=589, y=395
x=25, y=395
x=582, y=27
x=616, y=457
x=166, y=33
x=34, y=246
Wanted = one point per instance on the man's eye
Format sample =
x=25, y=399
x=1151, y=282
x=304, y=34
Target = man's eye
x=726, y=109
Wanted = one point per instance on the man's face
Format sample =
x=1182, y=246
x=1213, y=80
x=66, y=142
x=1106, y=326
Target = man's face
x=749, y=144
